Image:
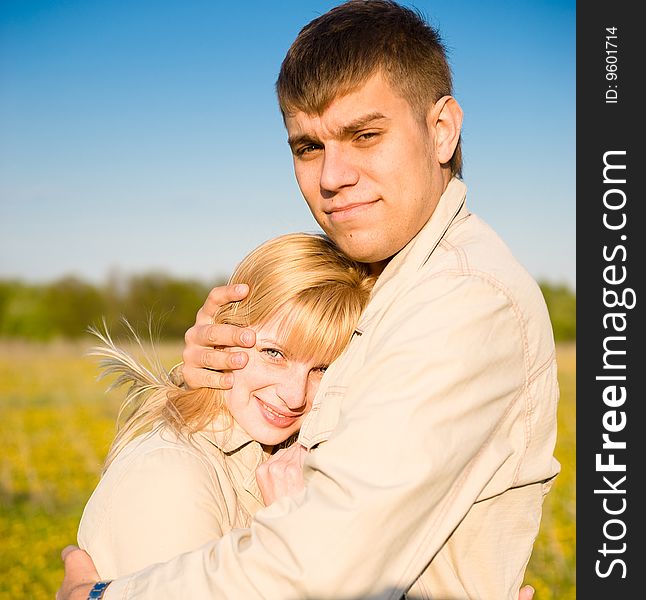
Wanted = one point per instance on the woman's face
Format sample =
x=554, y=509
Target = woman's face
x=274, y=391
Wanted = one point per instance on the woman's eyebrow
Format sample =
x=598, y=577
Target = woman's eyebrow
x=274, y=343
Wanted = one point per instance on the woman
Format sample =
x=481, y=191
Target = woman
x=181, y=470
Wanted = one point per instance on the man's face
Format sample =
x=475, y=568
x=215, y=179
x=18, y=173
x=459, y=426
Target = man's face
x=368, y=170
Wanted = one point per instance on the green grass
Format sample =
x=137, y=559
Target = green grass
x=56, y=423
x=552, y=568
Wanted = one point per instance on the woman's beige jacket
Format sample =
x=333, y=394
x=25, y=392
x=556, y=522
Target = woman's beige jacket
x=163, y=496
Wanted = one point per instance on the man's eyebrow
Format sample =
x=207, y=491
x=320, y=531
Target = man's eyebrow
x=359, y=123
x=303, y=139
x=342, y=132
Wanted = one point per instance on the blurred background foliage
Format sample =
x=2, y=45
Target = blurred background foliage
x=65, y=308
x=561, y=303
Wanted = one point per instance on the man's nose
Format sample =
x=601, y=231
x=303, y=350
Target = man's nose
x=338, y=170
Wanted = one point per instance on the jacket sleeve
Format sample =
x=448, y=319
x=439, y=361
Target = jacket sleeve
x=425, y=425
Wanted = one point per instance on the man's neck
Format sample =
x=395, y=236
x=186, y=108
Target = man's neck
x=376, y=268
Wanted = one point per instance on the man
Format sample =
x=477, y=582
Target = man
x=429, y=445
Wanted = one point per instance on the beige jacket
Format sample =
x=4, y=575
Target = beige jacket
x=162, y=496
x=432, y=443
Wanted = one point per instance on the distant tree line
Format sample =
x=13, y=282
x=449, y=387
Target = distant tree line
x=561, y=304
x=67, y=307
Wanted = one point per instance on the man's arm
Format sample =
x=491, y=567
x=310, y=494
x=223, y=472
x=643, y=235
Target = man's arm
x=80, y=576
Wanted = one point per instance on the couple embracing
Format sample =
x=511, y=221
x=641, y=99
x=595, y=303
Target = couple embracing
x=369, y=413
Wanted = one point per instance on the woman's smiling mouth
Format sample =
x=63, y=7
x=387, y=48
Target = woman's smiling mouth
x=275, y=417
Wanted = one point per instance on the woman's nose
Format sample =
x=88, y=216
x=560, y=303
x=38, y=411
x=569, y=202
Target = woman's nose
x=293, y=389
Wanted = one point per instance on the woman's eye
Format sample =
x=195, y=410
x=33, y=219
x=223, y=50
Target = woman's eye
x=321, y=369
x=273, y=353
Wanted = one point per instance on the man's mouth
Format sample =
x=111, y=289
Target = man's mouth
x=345, y=212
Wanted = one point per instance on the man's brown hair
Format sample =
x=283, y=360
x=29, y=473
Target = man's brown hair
x=339, y=51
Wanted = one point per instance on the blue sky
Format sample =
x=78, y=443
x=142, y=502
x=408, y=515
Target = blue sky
x=139, y=135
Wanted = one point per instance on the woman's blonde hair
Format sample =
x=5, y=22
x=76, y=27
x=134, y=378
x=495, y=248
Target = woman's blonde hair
x=316, y=292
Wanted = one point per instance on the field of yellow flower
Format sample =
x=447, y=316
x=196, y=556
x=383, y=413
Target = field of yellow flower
x=56, y=423
x=552, y=568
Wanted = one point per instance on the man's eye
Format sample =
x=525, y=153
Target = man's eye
x=305, y=150
x=367, y=135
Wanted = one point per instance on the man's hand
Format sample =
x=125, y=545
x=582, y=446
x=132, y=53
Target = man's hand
x=282, y=474
x=526, y=593
x=80, y=575
x=204, y=362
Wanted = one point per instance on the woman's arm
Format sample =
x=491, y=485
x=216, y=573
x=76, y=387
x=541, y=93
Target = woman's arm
x=149, y=508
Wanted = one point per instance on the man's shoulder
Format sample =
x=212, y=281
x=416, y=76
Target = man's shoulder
x=470, y=269
x=472, y=249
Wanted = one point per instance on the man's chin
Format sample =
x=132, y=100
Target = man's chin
x=362, y=248
x=376, y=259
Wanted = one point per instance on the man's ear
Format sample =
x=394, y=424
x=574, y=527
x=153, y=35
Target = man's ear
x=445, y=118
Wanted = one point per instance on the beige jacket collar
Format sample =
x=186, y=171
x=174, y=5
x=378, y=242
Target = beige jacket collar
x=226, y=435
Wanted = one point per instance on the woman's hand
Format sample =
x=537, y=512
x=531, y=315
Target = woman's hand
x=282, y=474
x=207, y=363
